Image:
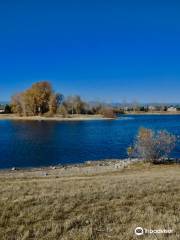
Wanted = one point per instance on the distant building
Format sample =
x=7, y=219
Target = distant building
x=151, y=108
x=126, y=109
x=2, y=109
x=172, y=109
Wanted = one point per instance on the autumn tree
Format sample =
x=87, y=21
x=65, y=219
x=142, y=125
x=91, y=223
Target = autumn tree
x=153, y=146
x=96, y=108
x=62, y=111
x=55, y=102
x=41, y=93
x=29, y=100
x=34, y=100
x=107, y=112
x=74, y=104
x=78, y=104
x=18, y=104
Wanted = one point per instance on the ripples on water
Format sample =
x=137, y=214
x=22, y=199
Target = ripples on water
x=32, y=143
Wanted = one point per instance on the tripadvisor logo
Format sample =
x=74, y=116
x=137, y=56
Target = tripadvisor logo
x=141, y=231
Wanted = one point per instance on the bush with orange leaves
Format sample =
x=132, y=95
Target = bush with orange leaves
x=152, y=146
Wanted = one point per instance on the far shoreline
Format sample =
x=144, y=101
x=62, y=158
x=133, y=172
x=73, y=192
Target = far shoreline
x=152, y=113
x=79, y=117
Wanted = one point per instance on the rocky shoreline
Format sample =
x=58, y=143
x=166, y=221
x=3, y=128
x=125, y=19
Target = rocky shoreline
x=70, y=170
x=86, y=168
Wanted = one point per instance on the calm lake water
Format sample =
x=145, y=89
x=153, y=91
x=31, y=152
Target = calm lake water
x=33, y=144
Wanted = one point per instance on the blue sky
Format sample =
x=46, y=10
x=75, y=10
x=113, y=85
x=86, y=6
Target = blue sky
x=102, y=50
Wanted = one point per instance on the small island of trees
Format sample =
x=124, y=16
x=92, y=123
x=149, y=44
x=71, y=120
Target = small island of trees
x=41, y=100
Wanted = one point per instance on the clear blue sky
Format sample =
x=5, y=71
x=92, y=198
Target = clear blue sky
x=101, y=49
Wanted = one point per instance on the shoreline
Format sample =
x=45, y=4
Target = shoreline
x=79, y=169
x=88, y=167
x=55, y=118
x=79, y=117
x=152, y=113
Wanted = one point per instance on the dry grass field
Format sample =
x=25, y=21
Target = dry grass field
x=93, y=207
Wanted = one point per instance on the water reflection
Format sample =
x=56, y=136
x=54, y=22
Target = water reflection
x=33, y=143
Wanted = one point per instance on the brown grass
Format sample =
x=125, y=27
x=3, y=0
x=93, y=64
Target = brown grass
x=104, y=206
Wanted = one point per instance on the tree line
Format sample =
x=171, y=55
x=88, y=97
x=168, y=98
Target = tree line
x=41, y=99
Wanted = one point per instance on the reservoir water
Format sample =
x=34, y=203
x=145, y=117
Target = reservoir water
x=33, y=143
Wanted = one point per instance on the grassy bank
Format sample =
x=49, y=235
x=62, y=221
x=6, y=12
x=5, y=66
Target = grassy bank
x=89, y=207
